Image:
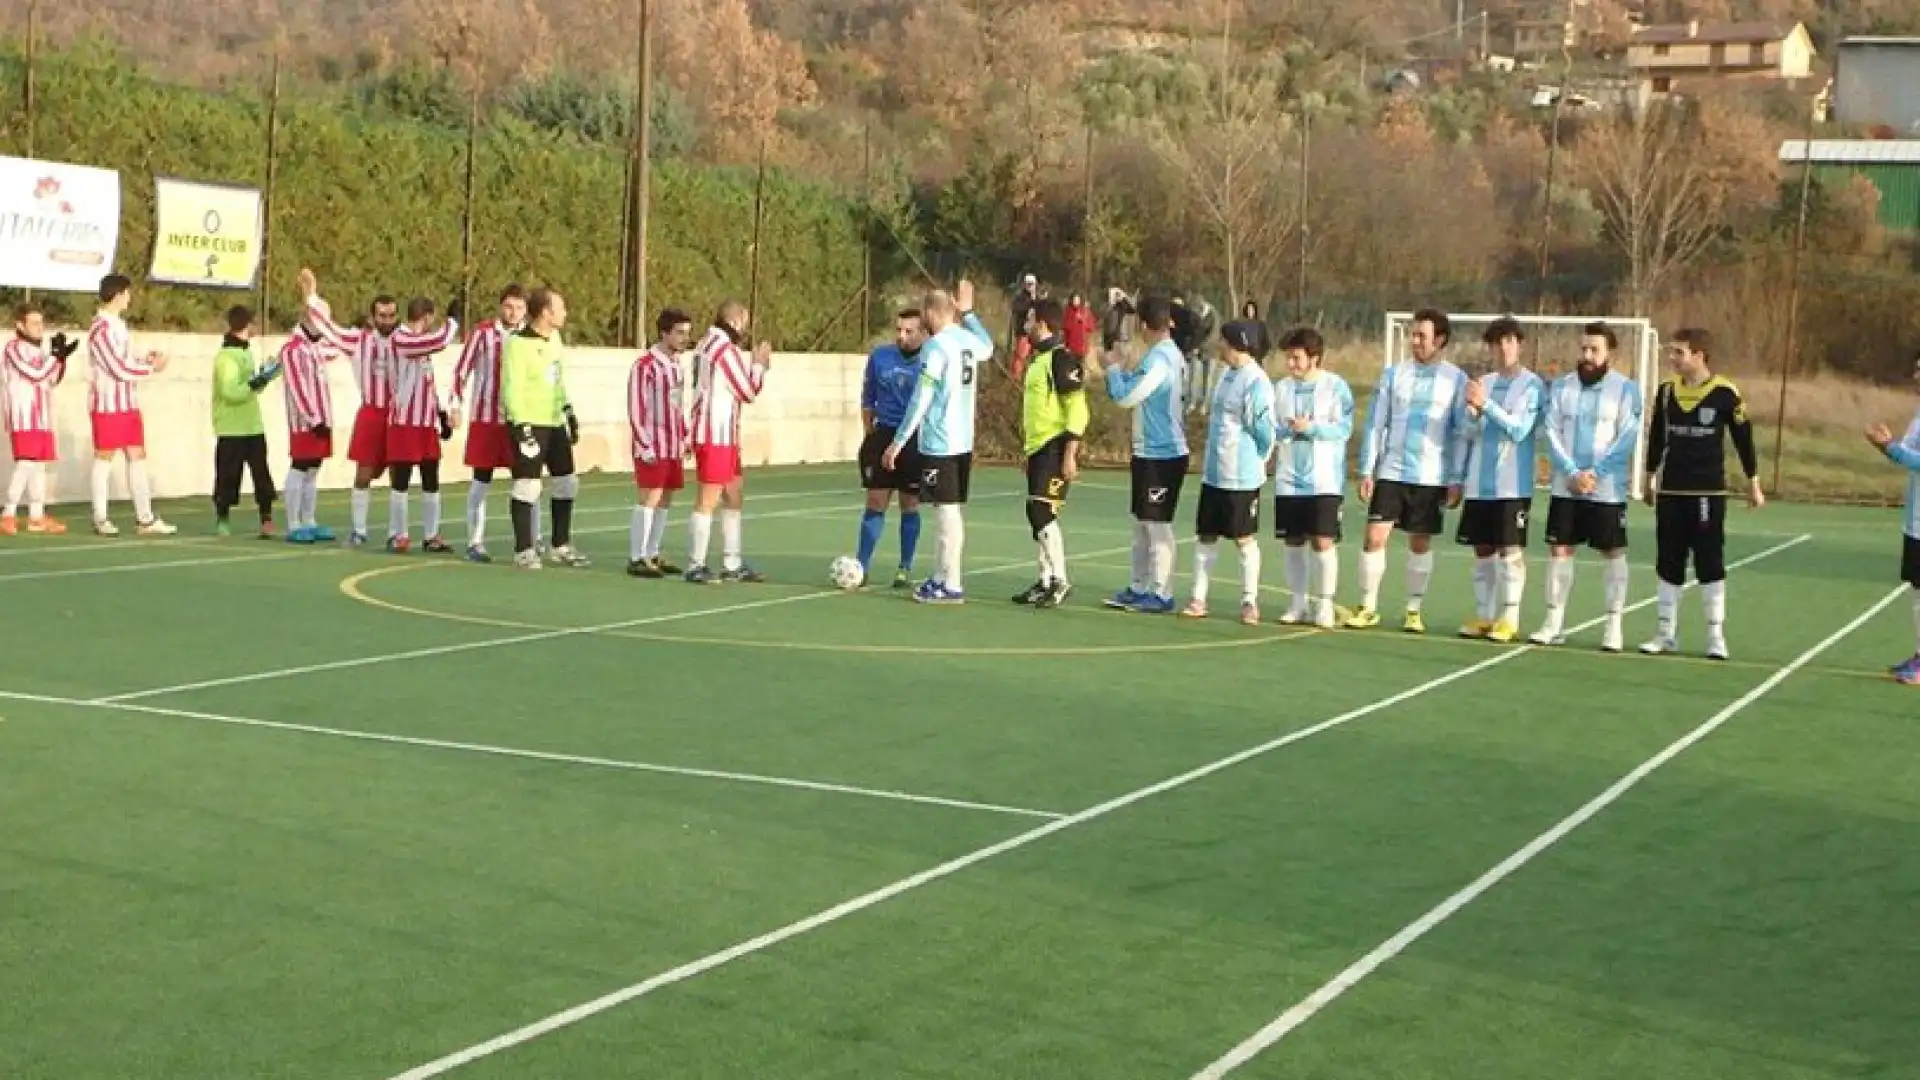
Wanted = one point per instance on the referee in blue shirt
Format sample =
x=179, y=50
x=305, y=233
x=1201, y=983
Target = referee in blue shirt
x=892, y=373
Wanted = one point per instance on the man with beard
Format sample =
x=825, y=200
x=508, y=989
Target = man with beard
x=892, y=373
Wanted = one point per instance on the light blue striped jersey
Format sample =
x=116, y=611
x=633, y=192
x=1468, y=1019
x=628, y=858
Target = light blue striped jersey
x=1502, y=445
x=1415, y=424
x=943, y=404
x=1239, y=430
x=1154, y=391
x=1906, y=452
x=1313, y=463
x=1593, y=428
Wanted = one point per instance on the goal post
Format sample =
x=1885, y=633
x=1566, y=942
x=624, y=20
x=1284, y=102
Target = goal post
x=1552, y=349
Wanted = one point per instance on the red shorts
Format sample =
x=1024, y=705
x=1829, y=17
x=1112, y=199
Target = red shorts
x=662, y=475
x=306, y=446
x=489, y=446
x=407, y=445
x=369, y=444
x=118, y=430
x=716, y=464
x=33, y=446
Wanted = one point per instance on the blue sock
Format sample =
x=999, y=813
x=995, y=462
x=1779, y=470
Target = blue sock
x=872, y=522
x=909, y=537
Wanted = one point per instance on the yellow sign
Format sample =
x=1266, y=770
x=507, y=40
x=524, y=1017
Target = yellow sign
x=206, y=234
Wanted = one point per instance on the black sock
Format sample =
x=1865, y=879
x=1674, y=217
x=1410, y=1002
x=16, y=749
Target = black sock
x=522, y=525
x=562, y=522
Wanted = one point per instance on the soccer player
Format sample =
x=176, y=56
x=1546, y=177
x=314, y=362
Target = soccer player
x=303, y=360
x=1053, y=420
x=30, y=371
x=1500, y=443
x=1592, y=422
x=1154, y=390
x=239, y=433
x=476, y=399
x=659, y=441
x=887, y=387
x=725, y=382
x=1313, y=411
x=1693, y=413
x=114, y=409
x=1905, y=453
x=533, y=393
x=416, y=425
x=1240, y=435
x=941, y=414
x=1409, y=462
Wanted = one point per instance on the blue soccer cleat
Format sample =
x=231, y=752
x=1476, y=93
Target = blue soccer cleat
x=1154, y=605
x=322, y=534
x=1908, y=672
x=1126, y=599
x=936, y=592
x=301, y=535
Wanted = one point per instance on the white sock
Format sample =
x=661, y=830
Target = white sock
x=1713, y=603
x=657, y=533
x=1163, y=548
x=1419, y=573
x=1295, y=569
x=1373, y=570
x=1203, y=555
x=37, y=490
x=1142, y=557
x=1613, y=584
x=953, y=542
x=730, y=557
x=1559, y=587
x=639, y=527
x=397, y=513
x=295, y=493
x=22, y=471
x=310, y=512
x=1326, y=579
x=1055, y=544
x=1485, y=574
x=430, y=513
x=1669, y=608
x=141, y=490
x=699, y=536
x=102, y=477
x=477, y=513
x=1512, y=570
x=362, y=501
x=1250, y=571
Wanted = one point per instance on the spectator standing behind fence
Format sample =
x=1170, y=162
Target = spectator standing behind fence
x=1079, y=326
x=1116, y=330
x=1027, y=295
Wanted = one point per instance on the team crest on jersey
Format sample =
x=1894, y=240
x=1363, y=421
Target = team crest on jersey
x=1706, y=415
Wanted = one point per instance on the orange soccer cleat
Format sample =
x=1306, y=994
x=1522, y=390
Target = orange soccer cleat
x=9, y=525
x=47, y=526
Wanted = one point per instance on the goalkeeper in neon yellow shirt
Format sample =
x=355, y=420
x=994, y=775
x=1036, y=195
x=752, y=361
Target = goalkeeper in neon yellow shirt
x=1053, y=419
x=533, y=394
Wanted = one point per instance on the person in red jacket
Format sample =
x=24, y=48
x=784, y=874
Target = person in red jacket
x=1080, y=325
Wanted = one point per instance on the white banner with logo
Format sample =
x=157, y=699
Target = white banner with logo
x=59, y=225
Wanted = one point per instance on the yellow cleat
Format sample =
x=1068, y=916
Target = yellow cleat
x=1362, y=619
x=1503, y=633
x=1476, y=629
x=1414, y=623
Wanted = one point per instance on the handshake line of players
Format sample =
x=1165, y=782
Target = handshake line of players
x=1434, y=440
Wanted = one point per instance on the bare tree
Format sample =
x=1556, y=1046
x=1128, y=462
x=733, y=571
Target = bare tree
x=1656, y=192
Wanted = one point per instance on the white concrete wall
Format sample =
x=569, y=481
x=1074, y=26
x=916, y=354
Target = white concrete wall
x=810, y=412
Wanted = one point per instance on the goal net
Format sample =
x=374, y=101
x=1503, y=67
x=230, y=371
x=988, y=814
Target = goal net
x=1552, y=349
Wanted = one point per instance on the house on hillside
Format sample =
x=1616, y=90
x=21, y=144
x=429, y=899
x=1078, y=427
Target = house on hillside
x=1877, y=81
x=1663, y=55
x=1892, y=166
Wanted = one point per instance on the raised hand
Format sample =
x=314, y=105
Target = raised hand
x=763, y=354
x=309, y=284
x=963, y=295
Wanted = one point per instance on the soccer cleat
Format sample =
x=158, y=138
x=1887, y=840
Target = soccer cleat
x=266, y=530
x=903, y=578
x=477, y=554
x=1475, y=629
x=1194, y=610
x=1249, y=613
x=157, y=527
x=105, y=528
x=46, y=526
x=1126, y=599
x=1032, y=594
x=1907, y=670
x=1660, y=646
x=1326, y=618
x=527, y=560
x=358, y=540
x=937, y=592
x=1502, y=632
x=9, y=525
x=1056, y=594
x=222, y=527
x=641, y=568
x=566, y=555
x=1549, y=636
x=666, y=567
x=1910, y=677
x=434, y=545
x=300, y=535
x=1154, y=605
x=698, y=575
x=1611, y=639
x=745, y=575
x=1413, y=622
x=1717, y=646
x=399, y=545
x=1293, y=616
x=322, y=534
x=1362, y=619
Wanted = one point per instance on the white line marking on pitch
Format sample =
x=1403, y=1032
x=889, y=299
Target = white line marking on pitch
x=132, y=568
x=517, y=639
x=543, y=755
x=1293, y=1018
x=585, y=1010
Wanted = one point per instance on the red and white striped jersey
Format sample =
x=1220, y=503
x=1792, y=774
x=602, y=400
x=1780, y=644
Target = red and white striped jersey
x=476, y=381
x=304, y=375
x=653, y=407
x=727, y=380
x=116, y=371
x=416, y=402
x=375, y=357
x=30, y=373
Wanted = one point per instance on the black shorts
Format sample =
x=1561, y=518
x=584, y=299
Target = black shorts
x=1416, y=509
x=944, y=481
x=1232, y=515
x=1047, y=472
x=1494, y=523
x=1303, y=517
x=1156, y=488
x=1910, y=561
x=1690, y=527
x=540, y=451
x=904, y=477
x=1577, y=522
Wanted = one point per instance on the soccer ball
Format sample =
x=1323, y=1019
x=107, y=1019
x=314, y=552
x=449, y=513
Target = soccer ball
x=846, y=573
